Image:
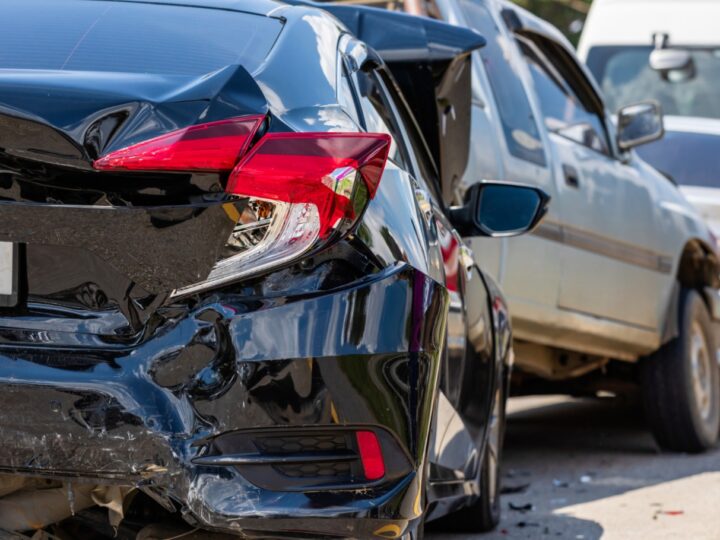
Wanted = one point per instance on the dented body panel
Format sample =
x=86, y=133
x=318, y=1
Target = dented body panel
x=140, y=415
x=239, y=402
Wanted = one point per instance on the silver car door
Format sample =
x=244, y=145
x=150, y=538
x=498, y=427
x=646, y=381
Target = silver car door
x=610, y=266
x=509, y=144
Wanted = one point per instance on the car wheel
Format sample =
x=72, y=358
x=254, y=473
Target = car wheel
x=484, y=514
x=681, y=382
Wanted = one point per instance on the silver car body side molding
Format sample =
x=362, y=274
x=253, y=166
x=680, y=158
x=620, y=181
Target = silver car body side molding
x=607, y=247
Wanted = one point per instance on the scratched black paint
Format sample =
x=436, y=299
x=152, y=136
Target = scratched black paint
x=105, y=376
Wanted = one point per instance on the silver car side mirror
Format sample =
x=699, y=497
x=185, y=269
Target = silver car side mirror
x=638, y=124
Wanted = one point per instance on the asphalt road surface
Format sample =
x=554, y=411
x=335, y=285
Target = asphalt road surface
x=587, y=469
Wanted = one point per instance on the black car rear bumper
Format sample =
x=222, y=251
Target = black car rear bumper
x=212, y=381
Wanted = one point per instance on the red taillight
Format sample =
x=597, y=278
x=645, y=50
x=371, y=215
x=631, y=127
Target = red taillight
x=370, y=455
x=300, y=186
x=315, y=168
x=215, y=146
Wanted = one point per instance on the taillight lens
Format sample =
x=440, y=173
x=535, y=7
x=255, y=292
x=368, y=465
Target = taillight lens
x=294, y=191
x=324, y=170
x=212, y=147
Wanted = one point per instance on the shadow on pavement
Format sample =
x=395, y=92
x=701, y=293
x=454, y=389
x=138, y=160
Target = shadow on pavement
x=562, y=453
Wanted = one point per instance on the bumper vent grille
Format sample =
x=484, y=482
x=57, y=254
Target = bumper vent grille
x=316, y=470
x=291, y=445
x=304, y=458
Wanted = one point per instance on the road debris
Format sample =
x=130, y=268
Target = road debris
x=527, y=507
x=514, y=490
x=668, y=513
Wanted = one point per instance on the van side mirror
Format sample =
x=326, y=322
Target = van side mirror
x=639, y=124
x=500, y=209
x=673, y=65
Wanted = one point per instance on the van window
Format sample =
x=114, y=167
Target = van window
x=131, y=37
x=518, y=122
x=562, y=110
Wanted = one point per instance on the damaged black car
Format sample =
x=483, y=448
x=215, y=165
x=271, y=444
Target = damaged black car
x=233, y=299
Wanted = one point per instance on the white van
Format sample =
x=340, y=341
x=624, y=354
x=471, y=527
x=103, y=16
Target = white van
x=669, y=51
x=632, y=23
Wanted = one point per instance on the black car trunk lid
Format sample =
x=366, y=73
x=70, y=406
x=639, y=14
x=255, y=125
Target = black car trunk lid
x=109, y=241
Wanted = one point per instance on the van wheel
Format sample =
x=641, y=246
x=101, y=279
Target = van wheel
x=681, y=382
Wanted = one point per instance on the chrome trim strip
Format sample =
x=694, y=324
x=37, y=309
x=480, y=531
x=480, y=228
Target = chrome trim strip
x=229, y=460
x=607, y=247
x=549, y=230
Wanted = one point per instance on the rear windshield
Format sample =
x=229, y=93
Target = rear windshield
x=87, y=35
x=691, y=159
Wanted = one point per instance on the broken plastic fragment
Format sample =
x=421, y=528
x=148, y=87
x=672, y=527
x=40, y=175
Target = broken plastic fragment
x=521, y=507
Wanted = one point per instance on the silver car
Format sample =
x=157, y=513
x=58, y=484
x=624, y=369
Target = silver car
x=619, y=285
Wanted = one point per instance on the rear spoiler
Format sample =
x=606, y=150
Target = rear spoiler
x=430, y=61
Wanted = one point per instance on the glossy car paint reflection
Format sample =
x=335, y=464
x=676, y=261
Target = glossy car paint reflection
x=222, y=366
x=129, y=385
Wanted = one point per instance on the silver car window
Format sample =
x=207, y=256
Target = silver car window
x=518, y=122
x=563, y=112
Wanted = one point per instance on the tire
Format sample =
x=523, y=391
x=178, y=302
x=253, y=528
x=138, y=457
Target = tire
x=484, y=514
x=680, y=383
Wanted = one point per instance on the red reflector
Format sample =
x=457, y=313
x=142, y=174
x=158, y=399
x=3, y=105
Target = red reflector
x=316, y=168
x=215, y=146
x=370, y=455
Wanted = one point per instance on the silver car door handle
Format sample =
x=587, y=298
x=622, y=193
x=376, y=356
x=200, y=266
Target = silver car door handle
x=572, y=178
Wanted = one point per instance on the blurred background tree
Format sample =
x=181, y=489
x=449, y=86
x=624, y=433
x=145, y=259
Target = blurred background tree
x=567, y=15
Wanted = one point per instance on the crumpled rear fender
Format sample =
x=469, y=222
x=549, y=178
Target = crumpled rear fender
x=364, y=355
